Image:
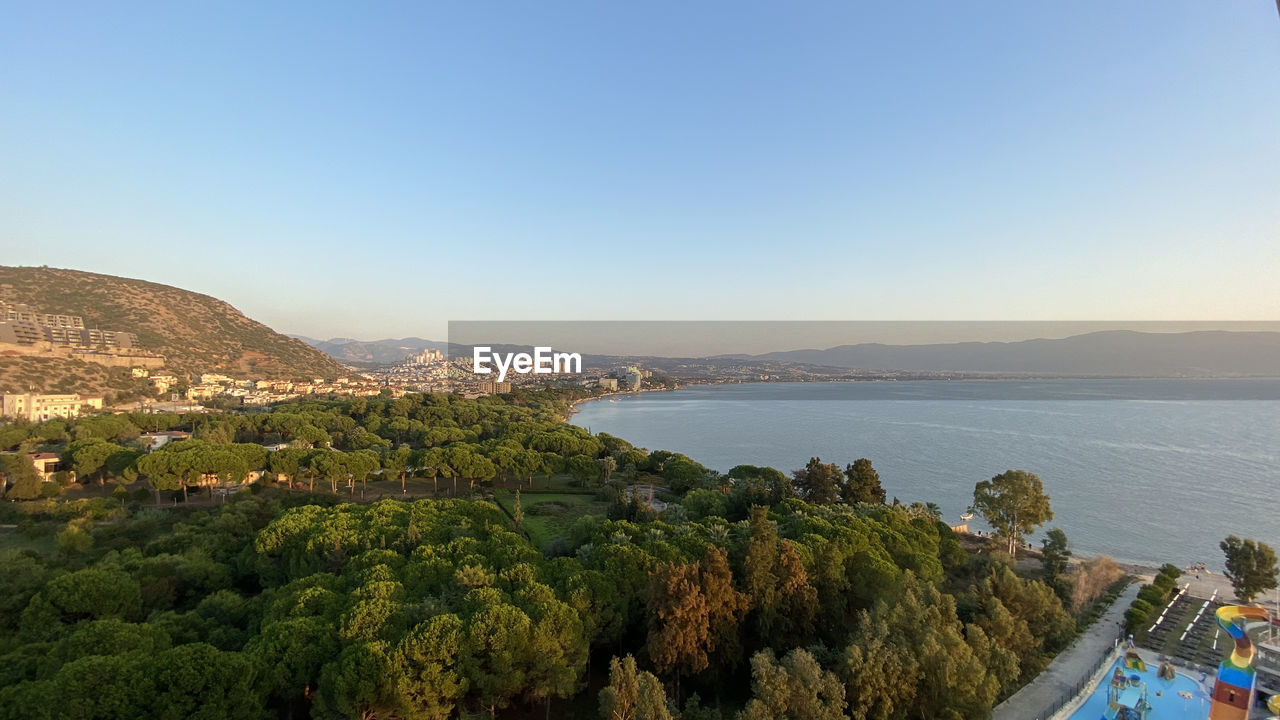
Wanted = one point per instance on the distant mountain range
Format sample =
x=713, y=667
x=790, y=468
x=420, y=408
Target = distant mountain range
x=1115, y=353
x=1111, y=353
x=195, y=333
x=376, y=352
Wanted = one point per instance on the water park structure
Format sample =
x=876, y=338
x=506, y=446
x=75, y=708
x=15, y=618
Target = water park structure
x=1134, y=689
x=1127, y=695
x=1233, y=690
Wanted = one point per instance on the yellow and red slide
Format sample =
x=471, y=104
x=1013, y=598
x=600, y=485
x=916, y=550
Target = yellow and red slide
x=1233, y=690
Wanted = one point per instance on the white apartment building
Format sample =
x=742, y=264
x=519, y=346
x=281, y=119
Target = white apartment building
x=38, y=408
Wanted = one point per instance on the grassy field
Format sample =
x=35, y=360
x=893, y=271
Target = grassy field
x=11, y=539
x=557, y=483
x=549, y=515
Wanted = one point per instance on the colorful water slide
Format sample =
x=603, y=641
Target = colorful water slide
x=1233, y=690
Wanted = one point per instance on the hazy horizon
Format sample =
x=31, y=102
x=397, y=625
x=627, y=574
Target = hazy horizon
x=708, y=338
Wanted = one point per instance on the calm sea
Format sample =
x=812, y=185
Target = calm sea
x=1148, y=471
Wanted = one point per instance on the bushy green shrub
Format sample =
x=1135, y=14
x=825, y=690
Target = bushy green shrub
x=1141, y=611
x=1153, y=595
x=699, y=503
x=74, y=539
x=609, y=493
x=1134, y=619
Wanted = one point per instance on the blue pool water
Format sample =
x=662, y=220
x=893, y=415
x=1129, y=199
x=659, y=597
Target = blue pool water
x=1167, y=705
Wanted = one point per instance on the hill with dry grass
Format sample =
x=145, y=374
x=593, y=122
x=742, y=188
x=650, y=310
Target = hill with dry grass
x=196, y=333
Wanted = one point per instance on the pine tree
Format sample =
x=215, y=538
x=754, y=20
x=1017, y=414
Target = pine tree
x=679, y=625
x=819, y=482
x=797, y=598
x=1056, y=554
x=795, y=689
x=618, y=698
x=19, y=470
x=863, y=483
x=725, y=608
x=761, y=569
x=632, y=694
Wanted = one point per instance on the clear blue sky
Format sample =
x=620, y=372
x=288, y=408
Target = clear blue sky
x=376, y=169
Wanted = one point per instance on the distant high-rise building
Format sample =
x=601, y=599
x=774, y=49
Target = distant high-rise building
x=631, y=377
x=426, y=357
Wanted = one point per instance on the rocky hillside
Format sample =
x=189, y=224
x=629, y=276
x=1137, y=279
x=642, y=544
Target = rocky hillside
x=196, y=333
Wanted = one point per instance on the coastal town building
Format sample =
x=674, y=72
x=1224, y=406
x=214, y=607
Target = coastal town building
x=46, y=464
x=1267, y=661
x=38, y=408
x=92, y=337
x=25, y=325
x=14, y=312
x=20, y=333
x=156, y=440
x=215, y=379
x=204, y=392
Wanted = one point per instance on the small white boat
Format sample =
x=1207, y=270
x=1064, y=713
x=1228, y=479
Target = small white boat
x=967, y=516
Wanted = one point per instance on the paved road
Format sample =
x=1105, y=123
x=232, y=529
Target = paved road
x=1070, y=667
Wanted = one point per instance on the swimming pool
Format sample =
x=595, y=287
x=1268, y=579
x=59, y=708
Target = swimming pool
x=1179, y=699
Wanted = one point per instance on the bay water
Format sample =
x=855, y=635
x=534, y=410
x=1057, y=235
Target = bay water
x=1147, y=471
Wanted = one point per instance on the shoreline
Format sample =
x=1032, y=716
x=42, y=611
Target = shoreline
x=574, y=409
x=1143, y=566
x=1139, y=569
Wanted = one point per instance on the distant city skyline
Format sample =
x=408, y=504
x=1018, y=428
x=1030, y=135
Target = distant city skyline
x=375, y=172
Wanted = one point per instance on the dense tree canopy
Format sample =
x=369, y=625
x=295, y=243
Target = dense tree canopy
x=295, y=599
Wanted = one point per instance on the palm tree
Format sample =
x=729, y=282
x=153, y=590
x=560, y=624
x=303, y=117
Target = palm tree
x=718, y=534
